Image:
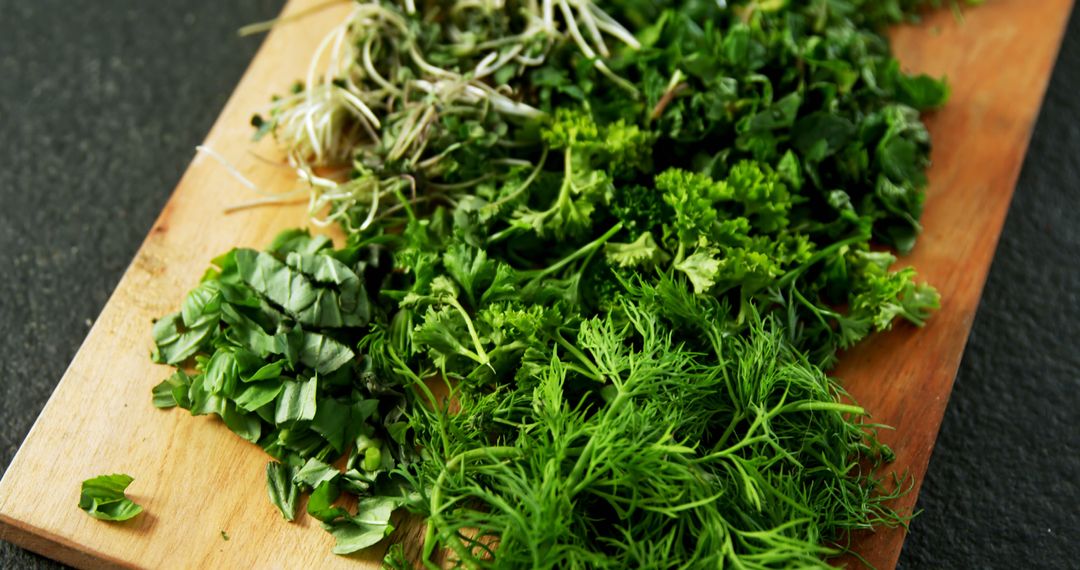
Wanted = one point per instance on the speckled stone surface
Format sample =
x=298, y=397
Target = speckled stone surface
x=102, y=103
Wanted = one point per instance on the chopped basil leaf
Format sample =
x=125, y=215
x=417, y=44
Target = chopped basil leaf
x=103, y=498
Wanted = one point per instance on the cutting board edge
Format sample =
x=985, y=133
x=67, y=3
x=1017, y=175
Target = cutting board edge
x=42, y=541
x=55, y=547
x=999, y=224
x=1014, y=181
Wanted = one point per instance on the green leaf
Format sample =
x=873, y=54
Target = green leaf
x=103, y=498
x=692, y=197
x=821, y=134
x=702, y=269
x=325, y=269
x=247, y=426
x=202, y=305
x=279, y=484
x=296, y=401
x=173, y=391
x=765, y=199
x=340, y=423
x=471, y=268
x=174, y=343
x=274, y=280
x=643, y=252
x=163, y=396
x=919, y=91
x=245, y=332
x=503, y=285
x=265, y=372
x=370, y=525
x=332, y=420
x=397, y=431
x=780, y=115
x=323, y=353
x=291, y=289
x=255, y=396
x=442, y=332
x=321, y=502
x=314, y=473
x=349, y=298
x=222, y=373
x=922, y=91
x=204, y=401
x=298, y=241
x=289, y=344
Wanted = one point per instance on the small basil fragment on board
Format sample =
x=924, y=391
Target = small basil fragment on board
x=103, y=498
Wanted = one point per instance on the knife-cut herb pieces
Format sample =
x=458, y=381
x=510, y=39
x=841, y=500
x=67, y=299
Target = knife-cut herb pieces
x=598, y=261
x=278, y=364
x=283, y=493
x=369, y=526
x=103, y=498
x=762, y=148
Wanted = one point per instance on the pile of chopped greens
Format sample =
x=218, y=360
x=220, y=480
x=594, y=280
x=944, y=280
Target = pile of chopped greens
x=599, y=261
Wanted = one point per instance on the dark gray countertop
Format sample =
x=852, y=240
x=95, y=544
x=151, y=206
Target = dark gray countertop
x=102, y=104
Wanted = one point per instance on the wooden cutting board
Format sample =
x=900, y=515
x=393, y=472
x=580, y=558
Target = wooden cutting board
x=199, y=482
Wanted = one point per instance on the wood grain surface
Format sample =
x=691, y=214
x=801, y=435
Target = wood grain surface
x=197, y=480
x=998, y=59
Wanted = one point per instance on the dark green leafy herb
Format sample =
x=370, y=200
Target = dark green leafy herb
x=594, y=275
x=369, y=526
x=103, y=498
x=283, y=494
x=275, y=364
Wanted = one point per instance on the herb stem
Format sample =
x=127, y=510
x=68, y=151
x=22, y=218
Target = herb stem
x=481, y=355
x=574, y=479
x=594, y=372
x=452, y=466
x=583, y=251
x=792, y=275
x=524, y=185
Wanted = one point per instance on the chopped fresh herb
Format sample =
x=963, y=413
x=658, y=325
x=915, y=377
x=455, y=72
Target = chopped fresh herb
x=103, y=498
x=283, y=494
x=368, y=527
x=598, y=264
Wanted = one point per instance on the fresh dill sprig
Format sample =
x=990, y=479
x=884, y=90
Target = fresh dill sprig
x=740, y=455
